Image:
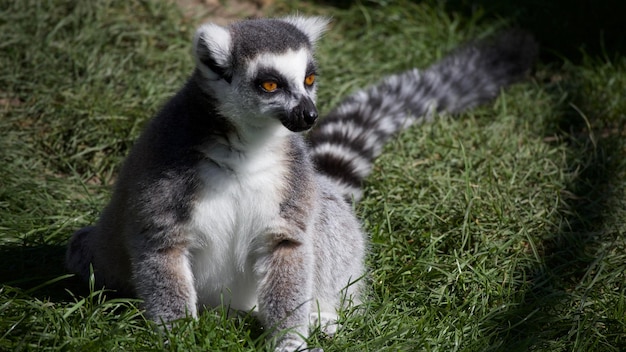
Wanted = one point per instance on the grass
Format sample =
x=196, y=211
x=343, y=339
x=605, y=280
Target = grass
x=501, y=229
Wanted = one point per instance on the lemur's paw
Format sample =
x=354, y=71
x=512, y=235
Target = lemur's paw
x=327, y=322
x=291, y=343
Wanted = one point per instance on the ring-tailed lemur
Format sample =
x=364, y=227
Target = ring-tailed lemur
x=222, y=200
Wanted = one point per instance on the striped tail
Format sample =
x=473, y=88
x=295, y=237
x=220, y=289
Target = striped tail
x=346, y=142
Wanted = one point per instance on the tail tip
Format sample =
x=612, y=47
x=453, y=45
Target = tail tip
x=516, y=47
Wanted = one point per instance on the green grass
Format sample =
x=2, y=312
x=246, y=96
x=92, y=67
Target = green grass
x=498, y=230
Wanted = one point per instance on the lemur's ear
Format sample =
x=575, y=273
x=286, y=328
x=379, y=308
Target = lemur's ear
x=212, y=50
x=313, y=27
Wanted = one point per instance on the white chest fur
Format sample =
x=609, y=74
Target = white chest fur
x=239, y=201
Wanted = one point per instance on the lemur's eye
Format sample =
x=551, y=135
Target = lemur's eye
x=269, y=86
x=310, y=79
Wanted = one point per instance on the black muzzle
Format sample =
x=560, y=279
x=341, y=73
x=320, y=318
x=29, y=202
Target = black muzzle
x=302, y=117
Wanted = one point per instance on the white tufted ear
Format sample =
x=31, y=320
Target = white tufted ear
x=313, y=27
x=212, y=50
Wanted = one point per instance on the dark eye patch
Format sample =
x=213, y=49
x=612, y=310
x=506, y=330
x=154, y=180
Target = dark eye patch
x=311, y=69
x=269, y=75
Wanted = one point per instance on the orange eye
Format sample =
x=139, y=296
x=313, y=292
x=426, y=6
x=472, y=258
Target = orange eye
x=310, y=79
x=269, y=86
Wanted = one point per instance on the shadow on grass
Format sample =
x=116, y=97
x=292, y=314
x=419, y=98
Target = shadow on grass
x=562, y=26
x=555, y=305
x=29, y=267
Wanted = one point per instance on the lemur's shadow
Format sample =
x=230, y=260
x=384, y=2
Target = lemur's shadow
x=40, y=270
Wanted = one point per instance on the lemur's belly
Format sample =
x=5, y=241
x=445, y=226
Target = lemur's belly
x=229, y=222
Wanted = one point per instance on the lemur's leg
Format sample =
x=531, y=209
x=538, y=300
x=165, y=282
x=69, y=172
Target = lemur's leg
x=339, y=263
x=164, y=280
x=79, y=253
x=285, y=274
x=87, y=250
x=335, y=289
x=331, y=293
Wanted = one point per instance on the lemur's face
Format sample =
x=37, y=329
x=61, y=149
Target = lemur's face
x=261, y=72
x=282, y=87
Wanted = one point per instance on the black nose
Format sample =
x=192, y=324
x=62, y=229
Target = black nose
x=310, y=116
x=302, y=116
x=306, y=112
